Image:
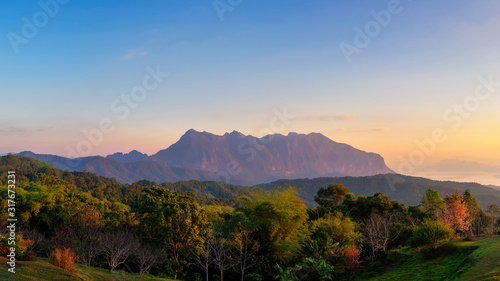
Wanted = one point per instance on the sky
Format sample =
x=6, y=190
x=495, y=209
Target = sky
x=414, y=81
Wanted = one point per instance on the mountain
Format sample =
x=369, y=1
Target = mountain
x=121, y=171
x=233, y=158
x=132, y=156
x=404, y=189
x=237, y=158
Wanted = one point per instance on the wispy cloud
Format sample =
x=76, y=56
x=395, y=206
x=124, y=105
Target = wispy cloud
x=331, y=118
x=26, y=129
x=133, y=53
x=341, y=130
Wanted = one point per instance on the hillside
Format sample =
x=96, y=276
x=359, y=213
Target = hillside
x=454, y=260
x=42, y=270
x=124, y=172
x=404, y=189
x=28, y=169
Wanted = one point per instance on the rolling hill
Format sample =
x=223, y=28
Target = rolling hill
x=404, y=189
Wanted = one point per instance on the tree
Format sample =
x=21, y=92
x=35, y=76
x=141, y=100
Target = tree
x=170, y=221
x=332, y=195
x=245, y=248
x=118, y=245
x=474, y=212
x=279, y=218
x=430, y=233
x=337, y=228
x=88, y=228
x=494, y=212
x=203, y=250
x=379, y=203
x=455, y=213
x=222, y=254
x=147, y=256
x=432, y=203
x=378, y=231
x=88, y=244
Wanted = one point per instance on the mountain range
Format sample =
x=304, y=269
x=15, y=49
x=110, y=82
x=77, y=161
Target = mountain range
x=404, y=189
x=233, y=157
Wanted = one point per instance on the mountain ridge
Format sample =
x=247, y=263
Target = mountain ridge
x=271, y=157
x=233, y=158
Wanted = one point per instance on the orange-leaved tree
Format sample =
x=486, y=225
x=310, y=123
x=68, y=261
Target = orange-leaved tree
x=455, y=213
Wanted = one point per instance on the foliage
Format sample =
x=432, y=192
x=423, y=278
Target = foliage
x=332, y=195
x=455, y=213
x=20, y=246
x=351, y=258
x=430, y=233
x=286, y=274
x=172, y=222
x=280, y=216
x=64, y=258
x=338, y=228
x=432, y=203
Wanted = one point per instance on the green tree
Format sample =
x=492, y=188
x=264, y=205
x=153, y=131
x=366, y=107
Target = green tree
x=172, y=221
x=432, y=203
x=279, y=219
x=332, y=195
x=337, y=228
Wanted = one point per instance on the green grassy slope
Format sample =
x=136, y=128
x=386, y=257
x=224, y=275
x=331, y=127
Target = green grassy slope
x=455, y=260
x=42, y=270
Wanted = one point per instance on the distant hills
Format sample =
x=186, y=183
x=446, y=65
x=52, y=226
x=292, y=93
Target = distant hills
x=233, y=157
x=404, y=189
x=124, y=172
x=132, y=156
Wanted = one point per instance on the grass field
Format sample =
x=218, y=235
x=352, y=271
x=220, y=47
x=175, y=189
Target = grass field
x=42, y=270
x=478, y=259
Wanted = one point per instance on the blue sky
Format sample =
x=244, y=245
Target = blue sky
x=232, y=74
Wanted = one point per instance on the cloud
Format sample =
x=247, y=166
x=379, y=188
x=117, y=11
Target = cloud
x=133, y=53
x=341, y=130
x=12, y=129
x=22, y=130
x=379, y=130
x=332, y=118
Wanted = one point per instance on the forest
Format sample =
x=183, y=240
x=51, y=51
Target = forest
x=174, y=231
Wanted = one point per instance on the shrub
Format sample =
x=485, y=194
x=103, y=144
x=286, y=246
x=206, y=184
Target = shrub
x=431, y=233
x=64, y=259
x=350, y=258
x=28, y=256
x=20, y=246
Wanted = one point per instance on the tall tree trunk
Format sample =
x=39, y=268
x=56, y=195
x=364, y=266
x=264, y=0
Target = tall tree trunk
x=206, y=269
